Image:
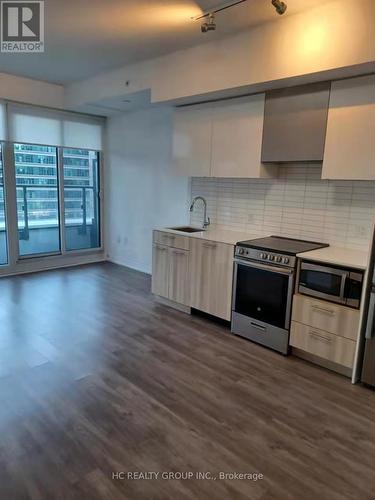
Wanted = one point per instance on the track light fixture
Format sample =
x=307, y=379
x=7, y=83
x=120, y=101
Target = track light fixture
x=279, y=6
x=209, y=25
x=208, y=18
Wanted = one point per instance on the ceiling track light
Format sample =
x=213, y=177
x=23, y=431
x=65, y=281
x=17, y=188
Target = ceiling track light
x=208, y=18
x=279, y=6
x=209, y=25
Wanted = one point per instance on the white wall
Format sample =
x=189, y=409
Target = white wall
x=17, y=88
x=297, y=204
x=139, y=192
x=328, y=40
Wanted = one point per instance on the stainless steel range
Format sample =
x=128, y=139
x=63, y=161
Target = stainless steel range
x=263, y=284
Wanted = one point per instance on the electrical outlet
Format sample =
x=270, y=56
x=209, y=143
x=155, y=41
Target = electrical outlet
x=361, y=231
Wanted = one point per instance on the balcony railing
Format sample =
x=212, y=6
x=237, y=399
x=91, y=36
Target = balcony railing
x=39, y=218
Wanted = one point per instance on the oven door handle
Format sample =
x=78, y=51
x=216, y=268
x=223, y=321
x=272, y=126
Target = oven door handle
x=256, y=265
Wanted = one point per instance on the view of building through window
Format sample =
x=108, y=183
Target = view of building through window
x=81, y=199
x=38, y=199
x=3, y=239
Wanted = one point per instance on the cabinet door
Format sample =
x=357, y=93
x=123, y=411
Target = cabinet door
x=323, y=344
x=237, y=127
x=295, y=122
x=211, y=277
x=179, y=285
x=349, y=151
x=160, y=271
x=192, y=130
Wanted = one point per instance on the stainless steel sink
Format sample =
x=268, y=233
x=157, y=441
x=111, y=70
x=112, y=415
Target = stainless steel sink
x=187, y=229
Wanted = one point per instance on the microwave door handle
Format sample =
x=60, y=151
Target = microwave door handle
x=342, y=288
x=370, y=317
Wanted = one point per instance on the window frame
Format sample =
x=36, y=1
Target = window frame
x=97, y=193
x=57, y=187
x=28, y=263
x=6, y=221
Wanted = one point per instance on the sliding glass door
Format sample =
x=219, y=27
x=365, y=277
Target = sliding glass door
x=37, y=199
x=81, y=199
x=3, y=233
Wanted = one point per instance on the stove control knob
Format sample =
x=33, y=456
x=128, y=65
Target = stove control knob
x=286, y=260
x=241, y=251
x=278, y=258
x=263, y=255
x=271, y=257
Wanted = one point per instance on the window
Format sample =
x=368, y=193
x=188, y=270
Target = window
x=81, y=197
x=3, y=234
x=51, y=205
x=37, y=199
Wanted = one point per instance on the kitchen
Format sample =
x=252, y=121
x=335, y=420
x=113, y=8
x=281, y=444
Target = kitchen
x=283, y=290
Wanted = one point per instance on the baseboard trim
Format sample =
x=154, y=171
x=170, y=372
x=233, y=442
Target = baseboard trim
x=172, y=304
x=50, y=266
x=118, y=263
x=329, y=365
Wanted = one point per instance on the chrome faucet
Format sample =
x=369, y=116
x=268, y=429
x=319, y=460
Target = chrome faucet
x=206, y=220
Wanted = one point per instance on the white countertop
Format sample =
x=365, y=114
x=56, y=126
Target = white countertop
x=214, y=234
x=338, y=256
x=356, y=259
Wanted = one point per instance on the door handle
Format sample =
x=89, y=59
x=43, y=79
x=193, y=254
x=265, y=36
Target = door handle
x=258, y=327
x=370, y=317
x=322, y=309
x=343, y=284
x=319, y=336
x=266, y=267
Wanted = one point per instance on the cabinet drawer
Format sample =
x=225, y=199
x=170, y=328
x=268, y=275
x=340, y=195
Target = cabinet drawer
x=322, y=344
x=333, y=318
x=171, y=240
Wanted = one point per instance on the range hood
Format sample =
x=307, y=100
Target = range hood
x=295, y=123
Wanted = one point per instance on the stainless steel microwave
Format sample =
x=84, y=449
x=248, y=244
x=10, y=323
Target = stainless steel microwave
x=334, y=284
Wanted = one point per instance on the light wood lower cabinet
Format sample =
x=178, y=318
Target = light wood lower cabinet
x=211, y=271
x=179, y=282
x=323, y=344
x=170, y=273
x=333, y=318
x=160, y=271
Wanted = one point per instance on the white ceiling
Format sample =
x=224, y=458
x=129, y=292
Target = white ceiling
x=87, y=37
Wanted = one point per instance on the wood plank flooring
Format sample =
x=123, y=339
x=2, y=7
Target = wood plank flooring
x=97, y=378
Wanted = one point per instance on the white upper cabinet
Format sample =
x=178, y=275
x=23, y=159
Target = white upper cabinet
x=237, y=127
x=350, y=146
x=222, y=139
x=192, y=134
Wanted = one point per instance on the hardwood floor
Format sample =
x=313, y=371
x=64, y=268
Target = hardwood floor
x=96, y=378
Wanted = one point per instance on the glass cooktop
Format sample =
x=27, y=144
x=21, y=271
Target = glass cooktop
x=280, y=244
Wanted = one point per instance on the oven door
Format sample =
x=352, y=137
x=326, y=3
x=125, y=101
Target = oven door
x=263, y=292
x=323, y=282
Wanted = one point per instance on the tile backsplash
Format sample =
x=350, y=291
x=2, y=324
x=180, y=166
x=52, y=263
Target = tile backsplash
x=298, y=204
